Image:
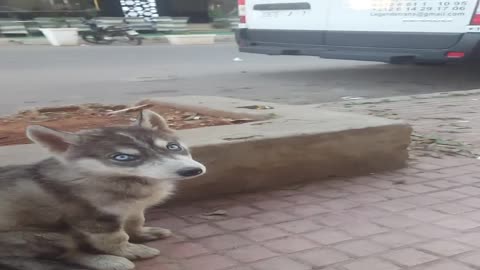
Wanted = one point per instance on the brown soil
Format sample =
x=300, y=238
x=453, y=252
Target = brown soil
x=74, y=118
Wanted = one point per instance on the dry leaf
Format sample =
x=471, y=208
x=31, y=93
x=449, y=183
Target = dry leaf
x=241, y=121
x=216, y=213
x=131, y=109
x=219, y=214
x=256, y=107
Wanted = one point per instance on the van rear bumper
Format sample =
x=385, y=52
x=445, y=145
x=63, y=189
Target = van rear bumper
x=350, y=46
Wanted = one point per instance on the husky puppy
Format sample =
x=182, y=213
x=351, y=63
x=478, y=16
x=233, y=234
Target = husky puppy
x=84, y=207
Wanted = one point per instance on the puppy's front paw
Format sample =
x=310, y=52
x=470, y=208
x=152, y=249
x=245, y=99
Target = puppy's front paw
x=103, y=262
x=150, y=234
x=136, y=252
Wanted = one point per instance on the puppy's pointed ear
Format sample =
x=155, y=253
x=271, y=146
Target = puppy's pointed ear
x=54, y=141
x=151, y=120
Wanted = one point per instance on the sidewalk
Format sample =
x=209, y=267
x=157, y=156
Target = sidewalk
x=221, y=37
x=445, y=124
x=424, y=217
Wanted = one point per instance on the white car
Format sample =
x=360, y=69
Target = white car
x=395, y=31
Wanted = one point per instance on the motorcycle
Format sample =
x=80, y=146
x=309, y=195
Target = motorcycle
x=107, y=35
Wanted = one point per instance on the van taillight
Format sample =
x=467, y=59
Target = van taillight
x=242, y=13
x=476, y=17
x=455, y=54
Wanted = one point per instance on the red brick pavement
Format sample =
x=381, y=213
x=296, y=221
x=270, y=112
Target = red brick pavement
x=426, y=216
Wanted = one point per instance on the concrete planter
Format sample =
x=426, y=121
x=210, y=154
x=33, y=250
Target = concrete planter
x=285, y=145
x=61, y=36
x=205, y=39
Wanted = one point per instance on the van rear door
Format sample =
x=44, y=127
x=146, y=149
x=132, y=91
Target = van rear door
x=278, y=21
x=413, y=24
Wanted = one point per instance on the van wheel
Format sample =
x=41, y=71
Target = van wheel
x=398, y=63
x=430, y=63
x=402, y=60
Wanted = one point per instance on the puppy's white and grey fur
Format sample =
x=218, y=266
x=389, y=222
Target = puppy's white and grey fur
x=84, y=209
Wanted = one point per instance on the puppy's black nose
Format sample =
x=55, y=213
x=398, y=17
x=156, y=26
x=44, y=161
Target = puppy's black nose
x=189, y=172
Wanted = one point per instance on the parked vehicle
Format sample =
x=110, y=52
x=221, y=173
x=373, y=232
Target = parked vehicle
x=109, y=34
x=394, y=31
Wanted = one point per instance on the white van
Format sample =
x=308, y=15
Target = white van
x=395, y=31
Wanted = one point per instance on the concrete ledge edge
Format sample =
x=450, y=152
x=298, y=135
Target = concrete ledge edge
x=298, y=144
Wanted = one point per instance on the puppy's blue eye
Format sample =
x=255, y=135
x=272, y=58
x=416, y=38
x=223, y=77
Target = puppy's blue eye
x=124, y=157
x=174, y=147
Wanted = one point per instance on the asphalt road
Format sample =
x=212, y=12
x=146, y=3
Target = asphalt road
x=42, y=75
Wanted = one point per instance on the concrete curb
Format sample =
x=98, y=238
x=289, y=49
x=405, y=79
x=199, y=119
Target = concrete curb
x=148, y=40
x=286, y=145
